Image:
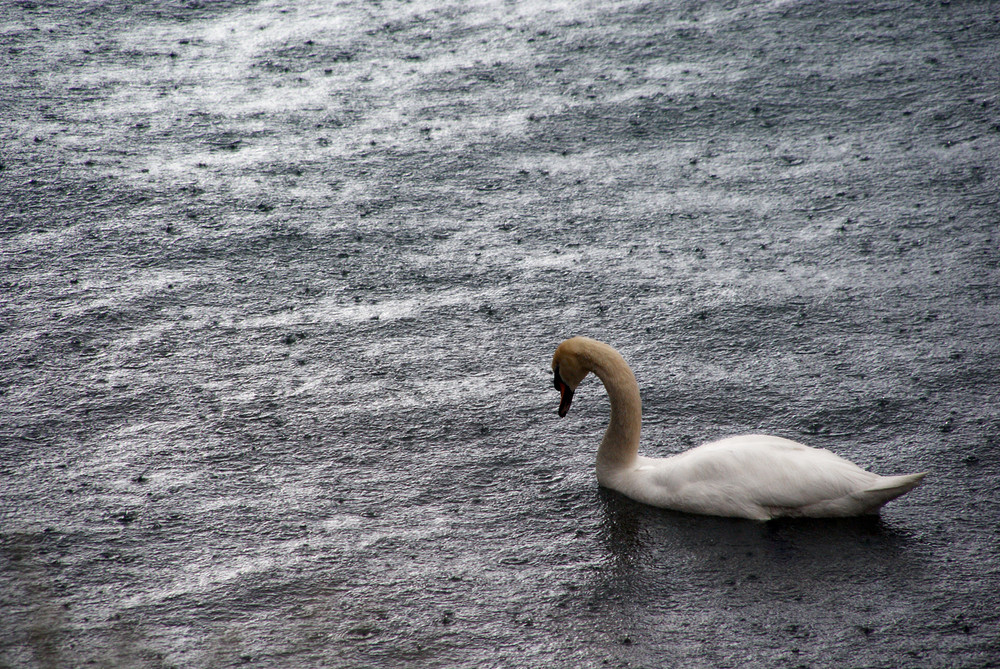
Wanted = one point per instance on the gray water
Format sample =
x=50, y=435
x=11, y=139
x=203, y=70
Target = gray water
x=281, y=283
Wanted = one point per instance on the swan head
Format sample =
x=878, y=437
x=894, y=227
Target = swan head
x=568, y=370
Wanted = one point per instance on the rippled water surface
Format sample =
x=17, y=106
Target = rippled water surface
x=281, y=282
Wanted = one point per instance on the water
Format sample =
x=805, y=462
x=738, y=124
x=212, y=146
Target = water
x=281, y=284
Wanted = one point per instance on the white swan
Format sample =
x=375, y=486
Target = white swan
x=752, y=476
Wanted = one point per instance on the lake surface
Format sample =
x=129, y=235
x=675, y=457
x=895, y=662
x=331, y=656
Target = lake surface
x=281, y=283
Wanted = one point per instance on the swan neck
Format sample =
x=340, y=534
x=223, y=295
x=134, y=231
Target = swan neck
x=620, y=445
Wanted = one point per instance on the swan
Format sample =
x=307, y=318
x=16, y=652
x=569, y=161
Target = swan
x=751, y=476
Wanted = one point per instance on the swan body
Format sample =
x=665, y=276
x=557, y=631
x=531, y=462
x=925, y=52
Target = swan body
x=751, y=476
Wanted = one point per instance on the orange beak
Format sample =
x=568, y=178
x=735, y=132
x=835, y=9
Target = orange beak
x=565, y=392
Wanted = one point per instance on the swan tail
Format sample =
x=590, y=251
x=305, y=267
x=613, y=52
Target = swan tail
x=888, y=488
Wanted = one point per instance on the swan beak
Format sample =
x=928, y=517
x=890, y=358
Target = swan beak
x=565, y=391
x=567, y=398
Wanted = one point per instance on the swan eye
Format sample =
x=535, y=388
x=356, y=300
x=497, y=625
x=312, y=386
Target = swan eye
x=556, y=380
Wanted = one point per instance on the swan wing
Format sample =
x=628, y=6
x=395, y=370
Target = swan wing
x=759, y=476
